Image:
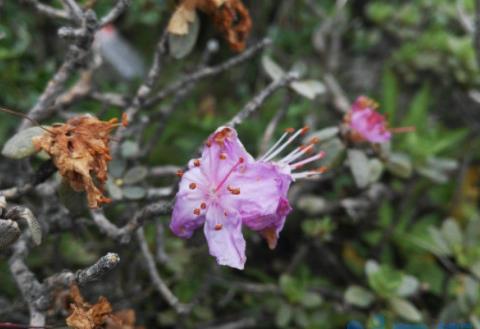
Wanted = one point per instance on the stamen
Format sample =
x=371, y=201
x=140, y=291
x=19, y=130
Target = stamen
x=223, y=156
x=196, y=163
x=208, y=143
x=310, y=173
x=307, y=160
x=233, y=190
x=400, y=130
x=240, y=161
x=203, y=205
x=192, y=186
x=295, y=154
x=218, y=227
x=284, y=145
x=196, y=211
x=179, y=173
x=271, y=149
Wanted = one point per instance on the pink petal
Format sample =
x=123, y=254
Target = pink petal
x=222, y=151
x=262, y=187
x=184, y=221
x=224, y=237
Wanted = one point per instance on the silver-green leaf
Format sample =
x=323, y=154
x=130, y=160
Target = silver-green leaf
x=181, y=45
x=21, y=145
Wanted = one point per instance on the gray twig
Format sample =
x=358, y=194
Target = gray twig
x=123, y=234
x=116, y=11
x=208, y=71
x=260, y=98
x=158, y=282
x=47, y=10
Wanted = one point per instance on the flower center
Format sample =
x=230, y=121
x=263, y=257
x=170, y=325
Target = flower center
x=229, y=173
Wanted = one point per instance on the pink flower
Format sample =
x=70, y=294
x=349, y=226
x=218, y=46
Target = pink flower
x=226, y=189
x=366, y=123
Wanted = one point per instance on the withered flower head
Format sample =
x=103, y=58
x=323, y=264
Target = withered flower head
x=230, y=17
x=79, y=149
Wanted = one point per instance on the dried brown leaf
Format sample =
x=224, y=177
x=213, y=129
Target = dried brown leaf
x=86, y=316
x=233, y=20
x=180, y=20
x=79, y=149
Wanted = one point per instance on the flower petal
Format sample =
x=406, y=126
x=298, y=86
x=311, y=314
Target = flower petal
x=262, y=188
x=223, y=231
x=222, y=152
x=184, y=220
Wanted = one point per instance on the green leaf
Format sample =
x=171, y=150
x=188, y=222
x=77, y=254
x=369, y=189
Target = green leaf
x=405, y=309
x=21, y=145
x=134, y=192
x=273, y=70
x=452, y=234
x=308, y=88
x=408, y=286
x=323, y=134
x=311, y=300
x=400, y=165
x=359, y=296
x=359, y=166
x=181, y=45
x=135, y=175
x=284, y=315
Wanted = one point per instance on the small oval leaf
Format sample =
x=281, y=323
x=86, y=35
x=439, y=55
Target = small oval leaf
x=308, y=88
x=181, y=45
x=20, y=145
x=359, y=166
x=135, y=175
x=9, y=233
x=359, y=296
x=134, y=192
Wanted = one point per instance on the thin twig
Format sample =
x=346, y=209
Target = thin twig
x=47, y=10
x=158, y=282
x=116, y=11
x=260, y=98
x=208, y=72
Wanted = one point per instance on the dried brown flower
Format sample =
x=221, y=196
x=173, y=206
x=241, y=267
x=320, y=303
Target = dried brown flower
x=84, y=315
x=230, y=17
x=99, y=315
x=79, y=149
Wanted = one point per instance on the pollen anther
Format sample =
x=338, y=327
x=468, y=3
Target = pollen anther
x=218, y=227
x=203, y=205
x=192, y=186
x=233, y=190
x=196, y=163
x=223, y=156
x=196, y=211
x=179, y=173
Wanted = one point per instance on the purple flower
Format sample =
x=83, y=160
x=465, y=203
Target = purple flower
x=226, y=189
x=366, y=123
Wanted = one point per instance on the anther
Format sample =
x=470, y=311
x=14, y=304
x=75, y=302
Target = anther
x=192, y=186
x=203, y=205
x=218, y=227
x=225, y=213
x=196, y=163
x=223, y=156
x=233, y=190
x=208, y=143
x=179, y=173
x=289, y=130
x=241, y=160
x=314, y=140
x=304, y=130
x=196, y=211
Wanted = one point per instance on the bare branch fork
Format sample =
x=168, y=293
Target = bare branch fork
x=39, y=296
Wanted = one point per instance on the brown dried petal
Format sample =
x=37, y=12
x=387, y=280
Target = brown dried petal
x=79, y=149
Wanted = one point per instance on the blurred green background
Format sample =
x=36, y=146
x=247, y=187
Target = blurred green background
x=411, y=254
